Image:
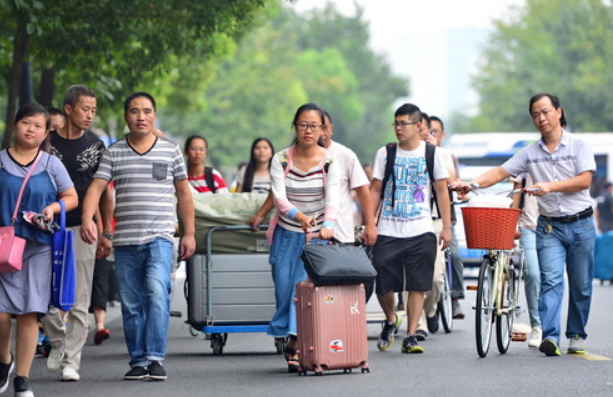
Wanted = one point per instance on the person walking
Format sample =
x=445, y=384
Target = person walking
x=26, y=293
x=80, y=151
x=147, y=171
x=406, y=246
x=305, y=191
x=561, y=166
x=255, y=177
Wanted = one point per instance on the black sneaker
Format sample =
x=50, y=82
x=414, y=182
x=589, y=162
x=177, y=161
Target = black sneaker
x=386, y=339
x=22, y=389
x=156, y=371
x=137, y=373
x=5, y=374
x=409, y=345
x=432, y=324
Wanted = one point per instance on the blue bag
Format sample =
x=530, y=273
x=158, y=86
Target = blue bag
x=64, y=276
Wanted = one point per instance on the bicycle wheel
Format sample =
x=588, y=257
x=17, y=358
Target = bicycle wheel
x=484, y=312
x=504, y=322
x=444, y=308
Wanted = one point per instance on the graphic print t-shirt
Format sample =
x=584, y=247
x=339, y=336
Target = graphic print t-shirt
x=411, y=215
x=80, y=157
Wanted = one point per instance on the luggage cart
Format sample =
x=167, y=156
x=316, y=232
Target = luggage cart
x=230, y=292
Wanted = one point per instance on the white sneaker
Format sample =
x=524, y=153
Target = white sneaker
x=70, y=374
x=54, y=361
x=535, y=337
x=576, y=345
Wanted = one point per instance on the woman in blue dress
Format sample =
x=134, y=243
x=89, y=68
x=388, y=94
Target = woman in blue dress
x=26, y=293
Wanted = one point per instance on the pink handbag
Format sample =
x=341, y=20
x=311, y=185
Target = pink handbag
x=11, y=250
x=11, y=246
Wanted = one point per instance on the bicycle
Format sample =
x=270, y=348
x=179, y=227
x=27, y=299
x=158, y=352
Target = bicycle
x=499, y=273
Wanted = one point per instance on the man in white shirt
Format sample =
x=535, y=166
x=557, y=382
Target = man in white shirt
x=406, y=246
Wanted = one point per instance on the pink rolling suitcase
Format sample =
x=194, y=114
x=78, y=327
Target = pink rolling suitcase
x=332, y=330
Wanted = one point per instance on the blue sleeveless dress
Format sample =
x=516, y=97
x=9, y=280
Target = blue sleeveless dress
x=27, y=290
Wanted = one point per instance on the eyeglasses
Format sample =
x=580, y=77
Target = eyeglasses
x=305, y=127
x=403, y=124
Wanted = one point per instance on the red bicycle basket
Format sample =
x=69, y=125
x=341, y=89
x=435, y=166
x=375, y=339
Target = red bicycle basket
x=490, y=228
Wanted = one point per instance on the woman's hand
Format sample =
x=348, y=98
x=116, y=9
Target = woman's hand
x=48, y=212
x=326, y=233
x=306, y=223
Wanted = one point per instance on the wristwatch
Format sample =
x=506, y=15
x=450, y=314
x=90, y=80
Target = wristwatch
x=107, y=235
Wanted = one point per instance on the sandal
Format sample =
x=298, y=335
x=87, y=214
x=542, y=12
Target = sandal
x=292, y=360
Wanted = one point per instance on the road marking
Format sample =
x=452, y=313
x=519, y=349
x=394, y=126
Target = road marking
x=591, y=357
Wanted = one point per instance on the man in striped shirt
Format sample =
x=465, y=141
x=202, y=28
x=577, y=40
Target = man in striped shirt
x=146, y=171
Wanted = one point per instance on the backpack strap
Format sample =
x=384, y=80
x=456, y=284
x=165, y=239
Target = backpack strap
x=389, y=169
x=210, y=180
x=430, y=150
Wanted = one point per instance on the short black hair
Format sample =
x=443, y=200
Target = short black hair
x=126, y=103
x=434, y=118
x=408, y=109
x=74, y=92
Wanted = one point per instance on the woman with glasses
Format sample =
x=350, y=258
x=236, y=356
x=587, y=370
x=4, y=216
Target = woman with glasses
x=256, y=176
x=305, y=190
x=203, y=179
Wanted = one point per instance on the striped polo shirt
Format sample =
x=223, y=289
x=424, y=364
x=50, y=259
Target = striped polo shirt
x=144, y=185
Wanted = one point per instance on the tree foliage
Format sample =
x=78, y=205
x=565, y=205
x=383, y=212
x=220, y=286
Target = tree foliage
x=564, y=47
x=320, y=57
x=115, y=46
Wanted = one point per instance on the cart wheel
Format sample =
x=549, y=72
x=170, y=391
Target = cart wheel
x=217, y=344
x=280, y=345
x=193, y=331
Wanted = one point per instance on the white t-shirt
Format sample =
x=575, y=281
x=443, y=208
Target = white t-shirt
x=351, y=176
x=411, y=215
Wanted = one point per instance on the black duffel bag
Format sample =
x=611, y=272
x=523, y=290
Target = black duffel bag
x=337, y=264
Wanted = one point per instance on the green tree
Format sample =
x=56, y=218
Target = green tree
x=564, y=47
x=321, y=57
x=113, y=46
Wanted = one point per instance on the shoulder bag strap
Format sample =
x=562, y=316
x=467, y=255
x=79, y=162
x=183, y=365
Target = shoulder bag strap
x=23, y=185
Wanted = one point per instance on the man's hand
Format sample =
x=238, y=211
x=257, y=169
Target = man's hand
x=256, y=221
x=544, y=188
x=89, y=231
x=104, y=248
x=369, y=236
x=444, y=238
x=187, y=247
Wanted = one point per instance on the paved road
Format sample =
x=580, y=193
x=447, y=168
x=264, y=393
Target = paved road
x=250, y=367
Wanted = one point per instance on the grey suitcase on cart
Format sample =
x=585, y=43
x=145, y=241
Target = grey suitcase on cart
x=229, y=289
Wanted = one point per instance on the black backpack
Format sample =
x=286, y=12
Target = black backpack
x=389, y=171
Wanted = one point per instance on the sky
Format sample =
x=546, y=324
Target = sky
x=435, y=43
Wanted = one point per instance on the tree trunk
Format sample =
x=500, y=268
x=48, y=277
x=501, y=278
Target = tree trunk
x=47, y=87
x=20, y=49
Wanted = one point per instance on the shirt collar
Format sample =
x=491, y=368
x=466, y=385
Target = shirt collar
x=563, y=141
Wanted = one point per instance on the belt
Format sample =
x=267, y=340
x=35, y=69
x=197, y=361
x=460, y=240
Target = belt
x=571, y=218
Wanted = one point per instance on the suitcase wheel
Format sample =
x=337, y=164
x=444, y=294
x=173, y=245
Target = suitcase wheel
x=347, y=370
x=365, y=368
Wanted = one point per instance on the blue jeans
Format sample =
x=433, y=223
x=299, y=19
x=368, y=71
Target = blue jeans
x=287, y=272
x=144, y=285
x=572, y=243
x=532, y=282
